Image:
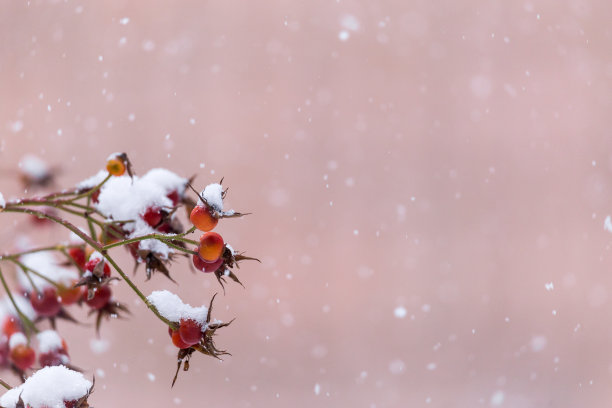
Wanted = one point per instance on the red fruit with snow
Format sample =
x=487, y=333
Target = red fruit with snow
x=152, y=216
x=45, y=303
x=201, y=217
x=91, y=264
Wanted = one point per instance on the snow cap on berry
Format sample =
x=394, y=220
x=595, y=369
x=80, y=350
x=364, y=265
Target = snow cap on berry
x=17, y=339
x=172, y=308
x=213, y=194
x=48, y=387
x=49, y=340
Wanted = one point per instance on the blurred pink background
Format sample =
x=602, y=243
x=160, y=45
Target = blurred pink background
x=429, y=183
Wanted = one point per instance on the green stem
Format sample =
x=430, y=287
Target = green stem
x=138, y=292
x=90, y=192
x=68, y=225
x=27, y=269
x=19, y=312
x=159, y=237
x=5, y=385
x=32, y=251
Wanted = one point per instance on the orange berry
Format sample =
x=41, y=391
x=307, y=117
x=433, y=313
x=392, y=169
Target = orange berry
x=10, y=326
x=69, y=294
x=115, y=167
x=23, y=356
x=211, y=246
x=201, y=217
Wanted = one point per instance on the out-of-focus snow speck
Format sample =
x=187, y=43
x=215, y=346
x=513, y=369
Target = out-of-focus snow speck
x=344, y=35
x=100, y=373
x=318, y=351
x=400, y=312
x=177, y=401
x=124, y=21
x=278, y=197
x=317, y=389
x=426, y=308
x=99, y=346
x=538, y=343
x=432, y=366
x=350, y=22
x=16, y=126
x=549, y=286
x=481, y=86
x=608, y=224
x=151, y=377
x=397, y=367
x=365, y=272
x=497, y=398
x=148, y=45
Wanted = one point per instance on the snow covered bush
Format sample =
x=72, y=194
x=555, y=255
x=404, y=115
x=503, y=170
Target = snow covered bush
x=117, y=209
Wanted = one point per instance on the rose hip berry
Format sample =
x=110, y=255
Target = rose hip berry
x=46, y=303
x=10, y=326
x=211, y=246
x=101, y=297
x=91, y=264
x=174, y=197
x=115, y=167
x=23, y=356
x=201, y=217
x=177, y=341
x=55, y=357
x=152, y=216
x=78, y=255
x=190, y=331
x=202, y=265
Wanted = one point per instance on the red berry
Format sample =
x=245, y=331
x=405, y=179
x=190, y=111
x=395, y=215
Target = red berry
x=23, y=356
x=101, y=297
x=91, y=264
x=201, y=217
x=174, y=197
x=204, y=266
x=152, y=216
x=178, y=342
x=11, y=325
x=211, y=246
x=46, y=303
x=78, y=255
x=53, y=358
x=190, y=331
x=95, y=197
x=4, y=351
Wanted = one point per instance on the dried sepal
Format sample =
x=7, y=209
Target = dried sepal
x=111, y=309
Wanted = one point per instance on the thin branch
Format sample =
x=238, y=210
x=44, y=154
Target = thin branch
x=19, y=312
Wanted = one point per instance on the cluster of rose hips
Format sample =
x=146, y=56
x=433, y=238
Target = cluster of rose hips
x=16, y=351
x=91, y=289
